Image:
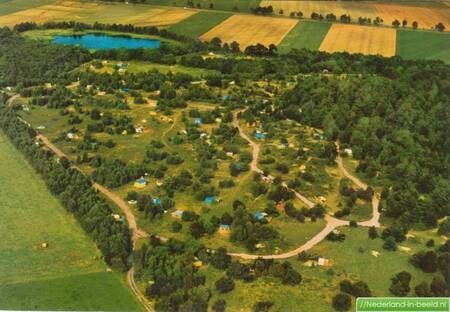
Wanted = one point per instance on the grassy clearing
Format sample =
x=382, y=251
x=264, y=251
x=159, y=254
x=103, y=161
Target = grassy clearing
x=305, y=35
x=199, y=23
x=423, y=45
x=99, y=291
x=142, y=66
x=33, y=277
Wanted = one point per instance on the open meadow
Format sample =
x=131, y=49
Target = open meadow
x=66, y=274
x=249, y=30
x=358, y=39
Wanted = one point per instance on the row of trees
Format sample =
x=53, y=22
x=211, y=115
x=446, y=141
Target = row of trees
x=73, y=189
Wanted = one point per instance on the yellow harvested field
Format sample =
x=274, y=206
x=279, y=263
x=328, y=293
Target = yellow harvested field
x=360, y=39
x=249, y=30
x=167, y=17
x=426, y=16
x=354, y=9
x=121, y=13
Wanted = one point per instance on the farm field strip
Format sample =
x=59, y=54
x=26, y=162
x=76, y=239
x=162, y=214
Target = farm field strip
x=199, y=23
x=306, y=34
x=249, y=30
x=137, y=14
x=358, y=39
x=426, y=16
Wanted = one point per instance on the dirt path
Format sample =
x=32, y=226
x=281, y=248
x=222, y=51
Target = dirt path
x=136, y=232
x=375, y=219
x=131, y=282
x=332, y=223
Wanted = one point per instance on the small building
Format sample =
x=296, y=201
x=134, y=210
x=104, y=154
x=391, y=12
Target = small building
x=159, y=183
x=116, y=217
x=177, y=214
x=153, y=113
x=224, y=229
x=229, y=154
x=139, y=130
x=203, y=135
x=260, y=216
x=156, y=201
x=349, y=152
x=209, y=200
x=140, y=183
x=197, y=121
x=259, y=246
x=302, y=168
x=280, y=206
x=44, y=245
x=226, y=97
x=321, y=199
x=323, y=262
x=260, y=135
x=132, y=202
x=71, y=136
x=218, y=120
x=198, y=264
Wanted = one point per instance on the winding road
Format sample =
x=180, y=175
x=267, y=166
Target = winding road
x=332, y=222
x=135, y=231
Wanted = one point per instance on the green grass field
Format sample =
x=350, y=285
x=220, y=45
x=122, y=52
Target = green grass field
x=69, y=274
x=423, y=45
x=198, y=24
x=305, y=35
x=12, y=6
x=224, y=5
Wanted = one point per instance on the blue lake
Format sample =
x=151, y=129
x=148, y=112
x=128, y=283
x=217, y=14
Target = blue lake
x=106, y=42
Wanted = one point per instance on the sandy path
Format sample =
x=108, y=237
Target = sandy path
x=332, y=223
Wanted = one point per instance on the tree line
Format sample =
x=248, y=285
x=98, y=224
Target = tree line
x=73, y=189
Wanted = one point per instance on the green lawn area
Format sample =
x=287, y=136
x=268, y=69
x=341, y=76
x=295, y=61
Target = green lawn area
x=305, y=35
x=224, y=5
x=142, y=66
x=198, y=24
x=318, y=286
x=12, y=6
x=69, y=274
x=416, y=44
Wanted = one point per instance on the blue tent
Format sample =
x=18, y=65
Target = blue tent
x=198, y=121
x=156, y=201
x=260, y=135
x=125, y=90
x=141, y=181
x=224, y=227
x=209, y=200
x=260, y=216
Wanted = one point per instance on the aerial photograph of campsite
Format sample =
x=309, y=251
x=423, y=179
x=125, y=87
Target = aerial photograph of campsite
x=225, y=155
